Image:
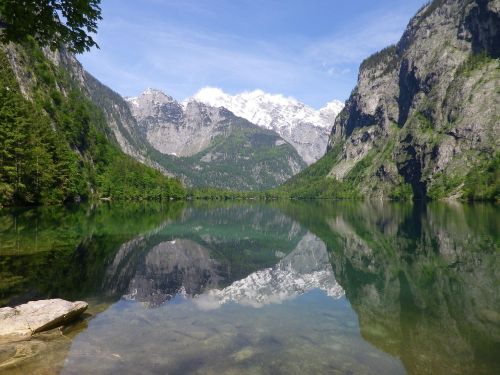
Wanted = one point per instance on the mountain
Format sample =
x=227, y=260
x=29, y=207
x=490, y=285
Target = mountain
x=62, y=134
x=116, y=110
x=172, y=128
x=306, y=268
x=208, y=146
x=424, y=118
x=305, y=128
x=419, y=277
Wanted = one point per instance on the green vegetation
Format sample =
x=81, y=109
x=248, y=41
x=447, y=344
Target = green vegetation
x=245, y=158
x=211, y=193
x=425, y=124
x=474, y=62
x=57, y=147
x=388, y=56
x=483, y=182
x=50, y=22
x=444, y=186
x=403, y=192
x=314, y=181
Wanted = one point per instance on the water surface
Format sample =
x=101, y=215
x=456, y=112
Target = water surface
x=347, y=288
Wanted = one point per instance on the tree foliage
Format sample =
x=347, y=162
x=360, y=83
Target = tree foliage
x=57, y=147
x=51, y=22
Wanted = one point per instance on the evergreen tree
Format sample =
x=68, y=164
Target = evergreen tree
x=51, y=22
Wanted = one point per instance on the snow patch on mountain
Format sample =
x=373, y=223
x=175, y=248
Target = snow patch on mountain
x=304, y=127
x=306, y=268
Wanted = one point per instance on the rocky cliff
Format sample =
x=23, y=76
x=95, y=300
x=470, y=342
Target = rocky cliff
x=305, y=128
x=426, y=111
x=424, y=117
x=210, y=146
x=174, y=129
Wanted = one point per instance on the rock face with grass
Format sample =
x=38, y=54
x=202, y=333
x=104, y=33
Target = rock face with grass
x=22, y=321
x=209, y=146
x=305, y=128
x=426, y=111
x=424, y=118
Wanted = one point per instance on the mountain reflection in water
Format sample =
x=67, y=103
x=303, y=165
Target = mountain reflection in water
x=183, y=267
x=281, y=288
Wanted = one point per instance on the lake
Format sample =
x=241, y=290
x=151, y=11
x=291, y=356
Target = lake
x=254, y=288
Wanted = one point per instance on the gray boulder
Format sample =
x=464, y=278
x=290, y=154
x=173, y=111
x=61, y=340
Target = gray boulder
x=22, y=321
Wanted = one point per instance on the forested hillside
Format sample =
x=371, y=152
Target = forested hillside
x=55, y=144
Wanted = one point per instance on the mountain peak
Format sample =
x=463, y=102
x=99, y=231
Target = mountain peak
x=303, y=126
x=151, y=95
x=157, y=94
x=332, y=108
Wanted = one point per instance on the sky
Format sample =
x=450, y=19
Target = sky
x=307, y=49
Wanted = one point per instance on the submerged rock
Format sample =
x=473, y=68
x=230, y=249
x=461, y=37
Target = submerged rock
x=36, y=316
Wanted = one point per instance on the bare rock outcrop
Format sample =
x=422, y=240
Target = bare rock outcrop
x=423, y=116
x=22, y=321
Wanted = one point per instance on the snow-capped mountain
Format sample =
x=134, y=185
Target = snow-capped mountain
x=305, y=128
x=211, y=146
x=183, y=267
x=306, y=268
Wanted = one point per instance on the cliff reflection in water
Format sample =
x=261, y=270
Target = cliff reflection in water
x=268, y=259
x=423, y=280
x=283, y=287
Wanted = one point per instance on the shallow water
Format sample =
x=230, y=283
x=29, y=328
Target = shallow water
x=295, y=288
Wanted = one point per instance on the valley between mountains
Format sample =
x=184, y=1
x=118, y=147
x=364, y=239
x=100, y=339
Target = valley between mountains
x=422, y=122
x=250, y=141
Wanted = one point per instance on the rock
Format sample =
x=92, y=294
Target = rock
x=204, y=145
x=244, y=354
x=305, y=128
x=423, y=117
x=36, y=316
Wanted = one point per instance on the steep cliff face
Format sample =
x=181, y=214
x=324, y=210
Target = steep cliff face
x=305, y=128
x=209, y=146
x=172, y=129
x=425, y=112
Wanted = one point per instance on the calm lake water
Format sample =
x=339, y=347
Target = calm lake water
x=281, y=288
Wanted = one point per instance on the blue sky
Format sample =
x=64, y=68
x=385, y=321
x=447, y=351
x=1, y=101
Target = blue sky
x=310, y=50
